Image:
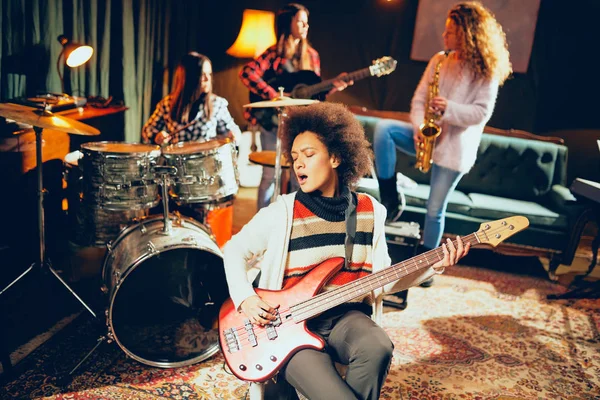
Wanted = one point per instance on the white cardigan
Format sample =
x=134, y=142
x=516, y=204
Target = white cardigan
x=268, y=234
x=470, y=106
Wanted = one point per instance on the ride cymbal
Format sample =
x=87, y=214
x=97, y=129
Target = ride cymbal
x=45, y=119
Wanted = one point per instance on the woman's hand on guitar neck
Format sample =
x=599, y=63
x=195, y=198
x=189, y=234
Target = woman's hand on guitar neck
x=259, y=311
x=340, y=83
x=452, y=253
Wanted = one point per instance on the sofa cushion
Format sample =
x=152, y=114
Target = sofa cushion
x=494, y=207
x=458, y=201
x=520, y=168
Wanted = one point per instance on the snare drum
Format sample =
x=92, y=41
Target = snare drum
x=206, y=171
x=119, y=176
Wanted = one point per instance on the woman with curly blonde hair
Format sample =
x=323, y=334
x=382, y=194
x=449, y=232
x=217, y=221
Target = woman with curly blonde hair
x=473, y=66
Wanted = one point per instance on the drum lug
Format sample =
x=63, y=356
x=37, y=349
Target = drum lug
x=143, y=229
x=151, y=248
x=190, y=240
x=110, y=335
x=104, y=289
x=117, y=275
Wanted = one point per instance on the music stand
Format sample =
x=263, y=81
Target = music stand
x=40, y=119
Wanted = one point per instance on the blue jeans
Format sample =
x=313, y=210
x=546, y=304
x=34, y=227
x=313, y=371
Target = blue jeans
x=390, y=135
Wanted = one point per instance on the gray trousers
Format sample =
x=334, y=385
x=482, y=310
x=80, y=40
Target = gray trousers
x=353, y=339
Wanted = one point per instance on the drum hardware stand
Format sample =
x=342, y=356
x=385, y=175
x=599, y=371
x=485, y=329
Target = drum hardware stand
x=42, y=262
x=163, y=171
x=106, y=338
x=101, y=339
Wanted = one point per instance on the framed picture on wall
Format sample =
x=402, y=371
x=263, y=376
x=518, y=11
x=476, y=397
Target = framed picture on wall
x=517, y=17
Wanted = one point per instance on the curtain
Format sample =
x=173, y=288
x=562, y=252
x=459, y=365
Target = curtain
x=145, y=40
x=28, y=48
x=130, y=61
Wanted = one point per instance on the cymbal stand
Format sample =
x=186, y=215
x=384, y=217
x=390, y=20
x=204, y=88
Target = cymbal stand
x=42, y=262
x=277, y=190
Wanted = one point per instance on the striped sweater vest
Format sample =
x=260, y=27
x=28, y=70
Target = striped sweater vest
x=315, y=239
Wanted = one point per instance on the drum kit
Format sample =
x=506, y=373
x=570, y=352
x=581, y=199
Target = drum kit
x=163, y=275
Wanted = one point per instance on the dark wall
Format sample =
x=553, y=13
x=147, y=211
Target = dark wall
x=553, y=95
x=557, y=96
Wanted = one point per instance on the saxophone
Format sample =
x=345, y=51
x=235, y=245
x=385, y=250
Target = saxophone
x=429, y=129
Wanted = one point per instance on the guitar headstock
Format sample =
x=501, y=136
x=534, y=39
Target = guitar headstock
x=383, y=66
x=495, y=232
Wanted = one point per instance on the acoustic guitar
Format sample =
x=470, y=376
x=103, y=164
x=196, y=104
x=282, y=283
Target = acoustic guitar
x=305, y=84
x=255, y=353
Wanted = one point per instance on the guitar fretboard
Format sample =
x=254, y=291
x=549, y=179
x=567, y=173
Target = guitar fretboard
x=327, y=85
x=327, y=300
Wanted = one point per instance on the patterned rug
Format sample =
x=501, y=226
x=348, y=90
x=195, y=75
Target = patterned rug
x=476, y=334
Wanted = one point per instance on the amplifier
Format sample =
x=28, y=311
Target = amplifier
x=402, y=238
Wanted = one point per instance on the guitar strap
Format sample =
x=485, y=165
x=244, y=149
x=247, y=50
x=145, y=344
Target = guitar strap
x=350, y=228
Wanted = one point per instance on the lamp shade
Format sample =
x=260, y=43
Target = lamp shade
x=256, y=34
x=75, y=54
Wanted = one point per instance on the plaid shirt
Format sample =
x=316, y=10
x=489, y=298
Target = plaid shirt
x=202, y=129
x=269, y=64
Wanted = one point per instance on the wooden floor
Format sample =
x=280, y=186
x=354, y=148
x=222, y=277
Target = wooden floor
x=244, y=207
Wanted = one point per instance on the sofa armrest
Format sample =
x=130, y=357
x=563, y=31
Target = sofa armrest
x=561, y=197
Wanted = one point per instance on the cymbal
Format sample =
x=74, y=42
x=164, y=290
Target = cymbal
x=45, y=120
x=280, y=102
x=267, y=159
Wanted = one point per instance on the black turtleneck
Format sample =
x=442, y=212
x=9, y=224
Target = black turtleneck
x=329, y=208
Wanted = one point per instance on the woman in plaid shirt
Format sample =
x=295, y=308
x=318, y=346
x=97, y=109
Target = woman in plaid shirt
x=290, y=54
x=191, y=112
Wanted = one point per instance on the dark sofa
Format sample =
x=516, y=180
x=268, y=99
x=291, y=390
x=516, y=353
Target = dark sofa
x=516, y=173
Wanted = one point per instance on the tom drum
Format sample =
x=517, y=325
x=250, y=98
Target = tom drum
x=206, y=171
x=119, y=176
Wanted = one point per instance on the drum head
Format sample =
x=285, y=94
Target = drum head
x=120, y=147
x=164, y=312
x=195, y=147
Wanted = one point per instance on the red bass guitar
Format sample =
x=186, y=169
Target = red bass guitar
x=255, y=353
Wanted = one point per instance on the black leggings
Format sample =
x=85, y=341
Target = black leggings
x=353, y=339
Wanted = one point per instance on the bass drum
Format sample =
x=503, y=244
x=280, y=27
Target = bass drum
x=165, y=290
